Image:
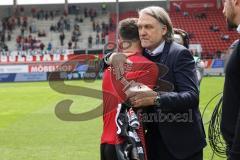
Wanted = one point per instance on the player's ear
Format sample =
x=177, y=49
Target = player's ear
x=120, y=44
x=164, y=29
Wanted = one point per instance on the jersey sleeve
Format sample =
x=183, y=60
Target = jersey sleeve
x=145, y=73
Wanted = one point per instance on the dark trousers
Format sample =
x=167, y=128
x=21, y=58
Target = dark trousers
x=108, y=152
x=157, y=150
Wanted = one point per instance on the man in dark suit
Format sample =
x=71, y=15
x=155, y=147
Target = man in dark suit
x=174, y=125
x=230, y=124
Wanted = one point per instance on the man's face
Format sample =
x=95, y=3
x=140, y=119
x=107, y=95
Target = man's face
x=229, y=13
x=151, y=32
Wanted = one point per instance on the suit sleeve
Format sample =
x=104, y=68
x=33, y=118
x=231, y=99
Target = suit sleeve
x=186, y=93
x=235, y=150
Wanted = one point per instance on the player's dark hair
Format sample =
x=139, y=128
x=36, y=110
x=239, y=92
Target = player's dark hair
x=184, y=35
x=128, y=29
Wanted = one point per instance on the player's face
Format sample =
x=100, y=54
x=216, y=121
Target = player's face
x=229, y=13
x=151, y=32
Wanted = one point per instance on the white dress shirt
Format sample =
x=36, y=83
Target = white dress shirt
x=157, y=50
x=238, y=28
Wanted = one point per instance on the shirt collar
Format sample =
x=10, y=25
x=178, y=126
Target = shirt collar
x=238, y=28
x=137, y=53
x=157, y=50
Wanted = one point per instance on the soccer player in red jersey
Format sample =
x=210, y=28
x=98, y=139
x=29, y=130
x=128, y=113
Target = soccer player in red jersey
x=142, y=70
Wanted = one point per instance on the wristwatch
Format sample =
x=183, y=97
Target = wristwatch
x=157, y=101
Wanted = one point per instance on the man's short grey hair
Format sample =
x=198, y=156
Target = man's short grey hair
x=162, y=17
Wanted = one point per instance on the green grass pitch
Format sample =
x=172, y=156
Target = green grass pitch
x=29, y=129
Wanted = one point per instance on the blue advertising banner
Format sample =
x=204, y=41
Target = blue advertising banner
x=7, y=77
x=218, y=63
x=23, y=77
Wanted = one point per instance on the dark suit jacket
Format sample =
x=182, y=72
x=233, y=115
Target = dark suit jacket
x=230, y=124
x=184, y=135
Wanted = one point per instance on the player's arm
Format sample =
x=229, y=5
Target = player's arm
x=117, y=60
x=147, y=75
x=144, y=78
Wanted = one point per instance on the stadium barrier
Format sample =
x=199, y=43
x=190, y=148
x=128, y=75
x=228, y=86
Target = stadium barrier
x=214, y=67
x=17, y=68
x=23, y=77
x=70, y=66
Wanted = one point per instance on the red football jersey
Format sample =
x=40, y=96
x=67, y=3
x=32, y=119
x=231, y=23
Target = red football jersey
x=143, y=71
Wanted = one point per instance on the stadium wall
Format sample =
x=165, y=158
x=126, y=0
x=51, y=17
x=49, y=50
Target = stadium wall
x=111, y=7
x=5, y=11
x=193, y=5
x=39, y=68
x=130, y=6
